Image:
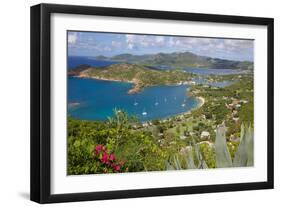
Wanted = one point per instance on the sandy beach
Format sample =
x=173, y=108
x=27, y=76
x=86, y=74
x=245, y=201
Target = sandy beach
x=202, y=101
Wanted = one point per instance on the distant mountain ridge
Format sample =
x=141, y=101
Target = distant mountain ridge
x=180, y=60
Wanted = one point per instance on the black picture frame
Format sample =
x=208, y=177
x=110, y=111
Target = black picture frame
x=41, y=96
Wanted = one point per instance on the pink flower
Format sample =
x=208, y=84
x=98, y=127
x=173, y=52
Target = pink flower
x=117, y=167
x=104, y=157
x=111, y=157
x=99, y=148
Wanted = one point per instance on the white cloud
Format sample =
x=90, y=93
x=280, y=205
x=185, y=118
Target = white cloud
x=131, y=40
x=78, y=41
x=214, y=47
x=238, y=44
x=144, y=41
x=72, y=37
x=182, y=42
x=130, y=46
x=160, y=39
x=220, y=46
x=116, y=44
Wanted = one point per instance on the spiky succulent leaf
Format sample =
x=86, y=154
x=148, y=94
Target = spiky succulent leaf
x=240, y=158
x=201, y=162
x=250, y=147
x=223, y=157
x=244, y=155
x=189, y=160
x=169, y=166
x=177, y=163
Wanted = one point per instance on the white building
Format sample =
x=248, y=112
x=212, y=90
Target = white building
x=205, y=134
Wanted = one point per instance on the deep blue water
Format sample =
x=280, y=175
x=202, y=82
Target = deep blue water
x=91, y=99
x=74, y=61
x=201, y=71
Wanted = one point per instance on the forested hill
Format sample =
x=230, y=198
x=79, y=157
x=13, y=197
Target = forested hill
x=180, y=60
x=139, y=75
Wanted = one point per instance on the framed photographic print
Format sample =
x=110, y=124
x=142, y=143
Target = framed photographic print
x=132, y=103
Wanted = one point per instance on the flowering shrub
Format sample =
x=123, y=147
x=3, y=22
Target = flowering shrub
x=107, y=161
x=99, y=147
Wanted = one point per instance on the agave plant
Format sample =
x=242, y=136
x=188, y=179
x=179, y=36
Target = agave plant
x=189, y=160
x=244, y=155
x=245, y=152
x=223, y=157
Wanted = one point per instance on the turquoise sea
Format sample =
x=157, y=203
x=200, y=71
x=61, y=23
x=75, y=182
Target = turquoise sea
x=90, y=99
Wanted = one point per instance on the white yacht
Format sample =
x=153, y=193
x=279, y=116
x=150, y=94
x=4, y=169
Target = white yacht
x=135, y=103
x=156, y=103
x=144, y=113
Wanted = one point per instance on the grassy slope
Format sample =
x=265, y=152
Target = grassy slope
x=137, y=74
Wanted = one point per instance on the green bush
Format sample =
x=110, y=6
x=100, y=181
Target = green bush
x=138, y=149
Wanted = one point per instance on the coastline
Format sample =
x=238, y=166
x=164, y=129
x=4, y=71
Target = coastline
x=135, y=89
x=202, y=101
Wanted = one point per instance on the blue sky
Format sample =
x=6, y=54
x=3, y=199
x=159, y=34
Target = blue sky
x=109, y=44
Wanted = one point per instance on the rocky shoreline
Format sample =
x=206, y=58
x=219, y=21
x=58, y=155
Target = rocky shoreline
x=136, y=89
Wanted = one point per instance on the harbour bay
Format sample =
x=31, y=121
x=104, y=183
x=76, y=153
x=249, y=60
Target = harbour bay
x=91, y=99
x=136, y=110
x=95, y=100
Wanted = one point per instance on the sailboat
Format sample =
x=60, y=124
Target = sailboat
x=144, y=113
x=183, y=104
x=165, y=99
x=135, y=103
x=156, y=103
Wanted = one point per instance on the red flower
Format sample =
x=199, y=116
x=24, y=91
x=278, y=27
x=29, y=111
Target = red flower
x=109, y=160
x=111, y=157
x=117, y=167
x=99, y=148
x=104, y=157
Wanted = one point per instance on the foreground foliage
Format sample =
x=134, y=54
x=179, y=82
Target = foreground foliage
x=136, y=150
x=113, y=147
x=196, y=158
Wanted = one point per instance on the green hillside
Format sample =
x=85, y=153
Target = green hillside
x=141, y=76
x=181, y=60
